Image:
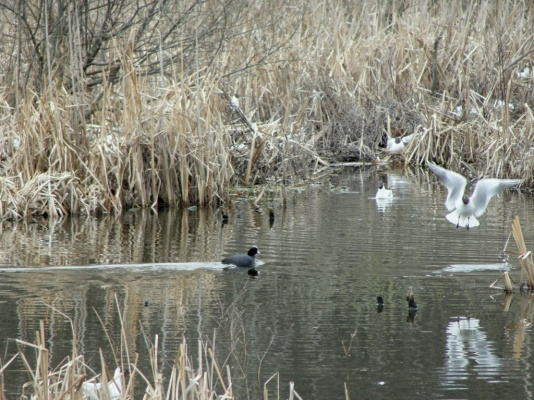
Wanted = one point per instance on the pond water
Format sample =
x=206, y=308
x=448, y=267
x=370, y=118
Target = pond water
x=310, y=315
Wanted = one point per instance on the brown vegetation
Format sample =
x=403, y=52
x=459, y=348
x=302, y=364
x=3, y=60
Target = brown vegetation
x=128, y=103
x=202, y=378
x=524, y=257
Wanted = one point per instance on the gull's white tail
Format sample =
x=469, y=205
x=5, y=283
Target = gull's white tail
x=461, y=221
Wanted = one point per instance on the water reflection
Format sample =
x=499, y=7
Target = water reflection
x=468, y=349
x=466, y=268
x=382, y=204
x=324, y=259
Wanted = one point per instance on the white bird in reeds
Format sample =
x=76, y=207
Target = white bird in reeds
x=464, y=209
x=383, y=193
x=234, y=103
x=459, y=112
x=93, y=390
x=498, y=104
x=524, y=73
x=397, y=145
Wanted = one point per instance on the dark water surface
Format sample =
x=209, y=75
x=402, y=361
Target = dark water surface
x=310, y=315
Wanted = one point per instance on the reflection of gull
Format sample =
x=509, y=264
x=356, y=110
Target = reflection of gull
x=93, y=390
x=382, y=204
x=466, y=342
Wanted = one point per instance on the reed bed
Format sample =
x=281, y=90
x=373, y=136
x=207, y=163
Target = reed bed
x=192, y=377
x=151, y=124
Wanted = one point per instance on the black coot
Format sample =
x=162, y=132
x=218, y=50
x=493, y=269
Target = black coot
x=243, y=260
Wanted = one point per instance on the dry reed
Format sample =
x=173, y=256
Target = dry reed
x=524, y=256
x=204, y=378
x=318, y=83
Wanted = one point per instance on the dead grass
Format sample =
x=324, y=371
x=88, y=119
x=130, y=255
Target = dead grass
x=192, y=377
x=342, y=78
x=524, y=256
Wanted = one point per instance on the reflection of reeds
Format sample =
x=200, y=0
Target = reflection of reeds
x=525, y=256
x=521, y=327
x=135, y=237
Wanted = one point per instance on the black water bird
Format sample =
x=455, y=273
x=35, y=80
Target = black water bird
x=412, y=307
x=379, y=304
x=271, y=217
x=243, y=260
x=410, y=298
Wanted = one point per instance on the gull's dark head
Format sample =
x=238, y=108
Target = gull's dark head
x=465, y=200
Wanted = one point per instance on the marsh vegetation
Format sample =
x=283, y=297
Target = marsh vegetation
x=126, y=290
x=127, y=104
x=112, y=104
x=194, y=377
